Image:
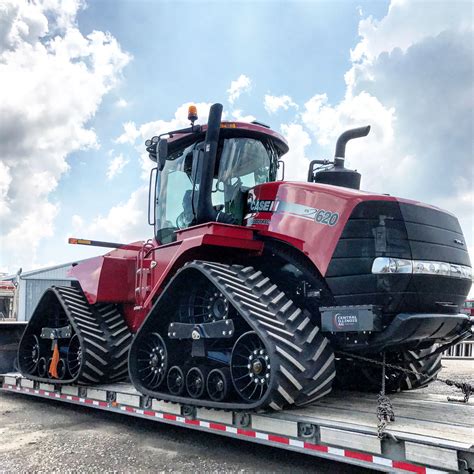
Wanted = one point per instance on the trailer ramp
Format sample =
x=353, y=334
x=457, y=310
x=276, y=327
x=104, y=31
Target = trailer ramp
x=430, y=435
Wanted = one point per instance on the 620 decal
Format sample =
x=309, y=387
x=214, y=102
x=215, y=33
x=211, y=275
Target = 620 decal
x=321, y=216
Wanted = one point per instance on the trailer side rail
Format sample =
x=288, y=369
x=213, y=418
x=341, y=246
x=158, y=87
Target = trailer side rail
x=343, y=442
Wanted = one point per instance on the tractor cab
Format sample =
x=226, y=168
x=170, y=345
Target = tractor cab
x=205, y=172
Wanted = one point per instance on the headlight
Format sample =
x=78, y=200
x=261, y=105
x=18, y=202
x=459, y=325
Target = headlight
x=425, y=267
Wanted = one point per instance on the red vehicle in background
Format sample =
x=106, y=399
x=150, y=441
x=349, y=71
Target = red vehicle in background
x=468, y=307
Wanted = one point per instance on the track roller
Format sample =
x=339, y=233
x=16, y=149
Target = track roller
x=42, y=367
x=219, y=384
x=196, y=381
x=176, y=380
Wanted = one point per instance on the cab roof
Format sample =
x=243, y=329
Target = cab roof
x=231, y=129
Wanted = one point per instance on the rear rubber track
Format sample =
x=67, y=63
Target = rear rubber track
x=104, y=337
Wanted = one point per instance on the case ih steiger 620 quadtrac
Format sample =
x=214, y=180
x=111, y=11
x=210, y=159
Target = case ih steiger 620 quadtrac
x=254, y=292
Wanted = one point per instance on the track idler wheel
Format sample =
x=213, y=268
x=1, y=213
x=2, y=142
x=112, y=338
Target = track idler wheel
x=219, y=384
x=30, y=353
x=250, y=367
x=196, y=382
x=152, y=360
x=176, y=381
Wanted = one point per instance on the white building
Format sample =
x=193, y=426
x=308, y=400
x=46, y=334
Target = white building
x=31, y=286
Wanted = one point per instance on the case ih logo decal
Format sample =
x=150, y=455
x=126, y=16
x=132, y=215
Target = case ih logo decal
x=320, y=216
x=262, y=206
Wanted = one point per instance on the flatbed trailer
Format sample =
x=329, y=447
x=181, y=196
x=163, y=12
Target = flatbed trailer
x=430, y=435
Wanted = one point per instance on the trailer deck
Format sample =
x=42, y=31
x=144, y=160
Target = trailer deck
x=429, y=435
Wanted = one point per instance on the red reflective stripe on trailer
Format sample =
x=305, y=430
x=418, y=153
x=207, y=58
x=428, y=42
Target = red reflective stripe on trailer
x=192, y=422
x=130, y=409
x=356, y=455
x=88, y=401
x=76, y=399
x=149, y=413
x=316, y=447
x=248, y=433
x=166, y=416
x=409, y=467
x=103, y=404
x=278, y=439
x=217, y=426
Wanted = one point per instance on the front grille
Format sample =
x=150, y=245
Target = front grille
x=399, y=230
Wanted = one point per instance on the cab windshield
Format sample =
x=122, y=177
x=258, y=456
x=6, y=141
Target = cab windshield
x=242, y=163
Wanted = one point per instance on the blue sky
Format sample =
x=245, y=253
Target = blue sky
x=310, y=69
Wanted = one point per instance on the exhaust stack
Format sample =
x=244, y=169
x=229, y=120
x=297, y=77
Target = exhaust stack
x=337, y=175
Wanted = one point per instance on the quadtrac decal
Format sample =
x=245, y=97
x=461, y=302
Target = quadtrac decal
x=320, y=216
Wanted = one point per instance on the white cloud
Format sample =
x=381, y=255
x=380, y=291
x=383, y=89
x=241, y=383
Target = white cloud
x=125, y=222
x=121, y=103
x=116, y=166
x=296, y=161
x=52, y=80
x=274, y=103
x=237, y=87
x=411, y=79
x=408, y=22
x=129, y=135
x=239, y=116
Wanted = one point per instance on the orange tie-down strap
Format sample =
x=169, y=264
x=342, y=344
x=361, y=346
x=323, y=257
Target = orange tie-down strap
x=53, y=367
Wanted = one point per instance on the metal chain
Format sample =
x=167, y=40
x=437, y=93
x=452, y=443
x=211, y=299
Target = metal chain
x=385, y=412
x=466, y=388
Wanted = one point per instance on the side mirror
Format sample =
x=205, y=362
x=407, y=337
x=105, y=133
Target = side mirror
x=162, y=152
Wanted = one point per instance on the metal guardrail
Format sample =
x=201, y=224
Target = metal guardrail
x=463, y=350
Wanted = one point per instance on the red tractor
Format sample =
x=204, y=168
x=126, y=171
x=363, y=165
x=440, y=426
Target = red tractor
x=258, y=293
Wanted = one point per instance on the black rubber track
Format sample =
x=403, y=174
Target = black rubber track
x=103, y=334
x=301, y=358
x=368, y=378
